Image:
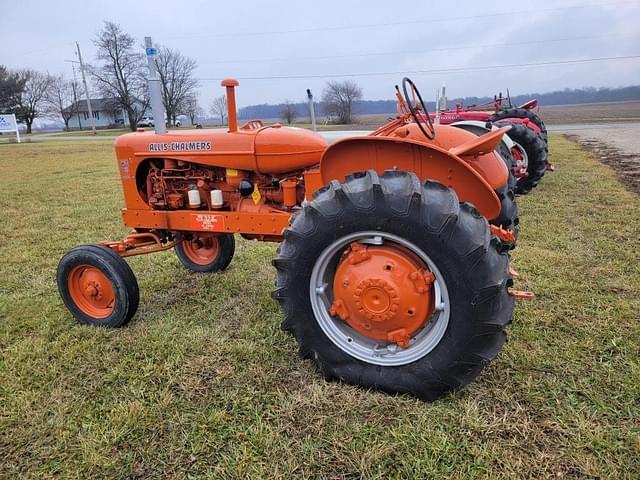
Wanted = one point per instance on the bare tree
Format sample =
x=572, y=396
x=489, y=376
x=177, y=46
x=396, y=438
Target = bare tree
x=60, y=98
x=176, y=80
x=339, y=97
x=288, y=112
x=32, y=101
x=219, y=108
x=75, y=88
x=191, y=108
x=121, y=73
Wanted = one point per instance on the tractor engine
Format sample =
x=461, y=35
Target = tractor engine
x=168, y=184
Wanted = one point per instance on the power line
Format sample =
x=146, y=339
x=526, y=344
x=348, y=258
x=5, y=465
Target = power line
x=414, y=52
x=399, y=23
x=438, y=70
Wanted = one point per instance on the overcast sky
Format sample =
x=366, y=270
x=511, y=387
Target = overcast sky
x=313, y=39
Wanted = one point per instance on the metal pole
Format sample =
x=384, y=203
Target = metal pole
x=312, y=111
x=15, y=122
x=86, y=91
x=154, y=88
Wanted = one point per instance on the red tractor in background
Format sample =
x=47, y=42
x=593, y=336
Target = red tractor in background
x=528, y=131
x=393, y=267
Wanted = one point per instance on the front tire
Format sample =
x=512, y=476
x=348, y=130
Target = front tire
x=206, y=253
x=471, y=305
x=97, y=286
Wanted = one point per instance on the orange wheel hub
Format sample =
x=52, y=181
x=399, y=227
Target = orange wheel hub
x=91, y=291
x=202, y=250
x=383, y=292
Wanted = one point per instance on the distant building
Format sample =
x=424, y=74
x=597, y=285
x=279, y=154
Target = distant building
x=105, y=112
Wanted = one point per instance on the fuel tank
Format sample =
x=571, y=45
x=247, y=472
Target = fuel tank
x=285, y=149
x=271, y=149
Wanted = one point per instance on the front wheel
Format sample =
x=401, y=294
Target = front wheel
x=206, y=253
x=97, y=286
x=394, y=285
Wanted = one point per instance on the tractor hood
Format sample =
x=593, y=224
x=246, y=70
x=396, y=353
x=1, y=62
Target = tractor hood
x=285, y=149
x=272, y=149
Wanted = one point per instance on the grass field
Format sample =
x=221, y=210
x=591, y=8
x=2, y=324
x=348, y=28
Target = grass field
x=591, y=113
x=203, y=383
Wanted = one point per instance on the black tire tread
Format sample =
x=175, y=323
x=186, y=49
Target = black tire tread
x=449, y=224
x=522, y=113
x=536, y=153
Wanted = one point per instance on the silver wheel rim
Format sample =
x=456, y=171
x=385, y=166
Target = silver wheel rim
x=356, y=345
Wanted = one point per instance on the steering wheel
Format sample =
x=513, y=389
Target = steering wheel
x=429, y=131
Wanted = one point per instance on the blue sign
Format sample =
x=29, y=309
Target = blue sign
x=151, y=52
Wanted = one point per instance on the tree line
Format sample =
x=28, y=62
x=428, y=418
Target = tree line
x=338, y=101
x=367, y=107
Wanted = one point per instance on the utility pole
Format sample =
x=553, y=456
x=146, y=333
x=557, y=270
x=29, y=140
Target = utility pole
x=86, y=90
x=75, y=94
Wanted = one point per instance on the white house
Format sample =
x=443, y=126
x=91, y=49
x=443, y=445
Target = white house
x=105, y=112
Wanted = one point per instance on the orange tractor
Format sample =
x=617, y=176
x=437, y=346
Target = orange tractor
x=393, y=267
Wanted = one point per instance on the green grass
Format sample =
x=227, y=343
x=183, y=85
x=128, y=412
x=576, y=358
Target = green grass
x=203, y=383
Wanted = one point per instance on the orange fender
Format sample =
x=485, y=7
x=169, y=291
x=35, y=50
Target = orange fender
x=431, y=162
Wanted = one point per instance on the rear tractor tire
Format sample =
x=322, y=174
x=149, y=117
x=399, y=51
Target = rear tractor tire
x=97, y=286
x=206, y=253
x=536, y=155
x=522, y=113
x=394, y=285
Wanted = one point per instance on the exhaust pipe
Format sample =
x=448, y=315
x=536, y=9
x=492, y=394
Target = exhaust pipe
x=230, y=84
x=155, y=93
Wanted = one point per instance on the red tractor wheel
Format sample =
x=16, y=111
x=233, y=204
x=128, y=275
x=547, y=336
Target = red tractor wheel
x=97, y=286
x=206, y=253
x=523, y=113
x=394, y=285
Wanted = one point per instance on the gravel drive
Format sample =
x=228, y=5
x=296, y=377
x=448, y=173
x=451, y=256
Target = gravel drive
x=617, y=145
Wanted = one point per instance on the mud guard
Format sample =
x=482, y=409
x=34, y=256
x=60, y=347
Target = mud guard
x=358, y=154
